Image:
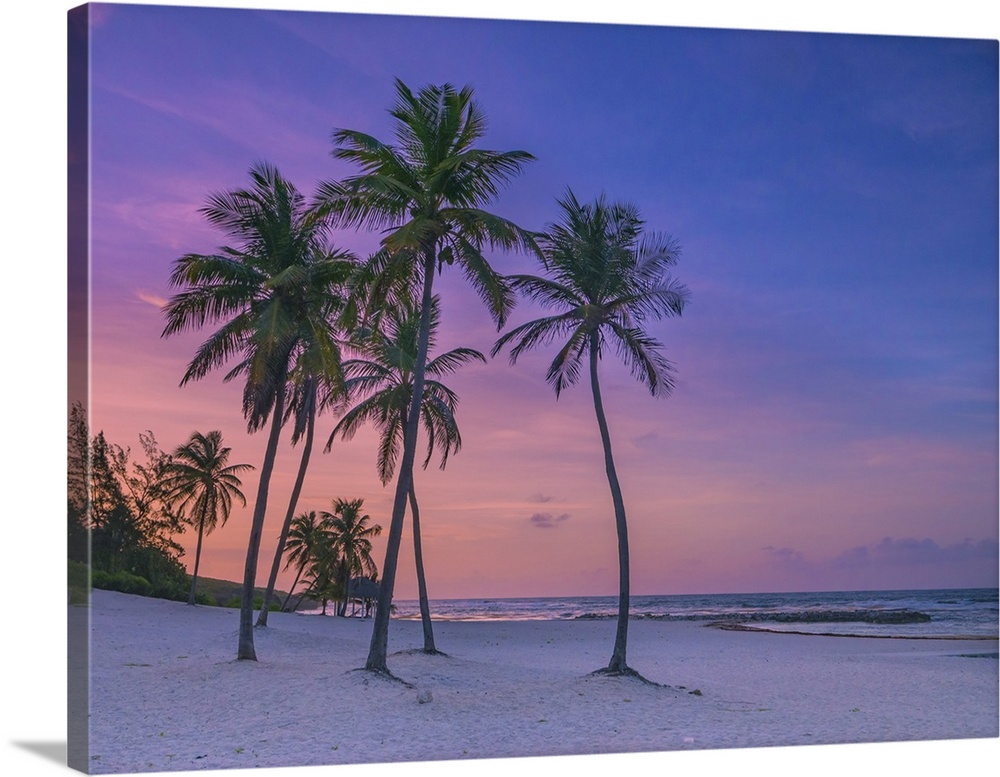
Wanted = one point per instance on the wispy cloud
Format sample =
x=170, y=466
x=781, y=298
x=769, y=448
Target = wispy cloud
x=151, y=299
x=221, y=108
x=547, y=520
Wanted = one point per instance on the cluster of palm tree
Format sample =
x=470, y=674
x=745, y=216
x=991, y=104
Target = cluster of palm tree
x=383, y=374
x=329, y=551
x=291, y=309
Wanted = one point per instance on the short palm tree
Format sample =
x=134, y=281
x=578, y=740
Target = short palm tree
x=201, y=484
x=266, y=293
x=304, y=536
x=351, y=540
x=384, y=374
x=606, y=279
x=427, y=194
x=325, y=573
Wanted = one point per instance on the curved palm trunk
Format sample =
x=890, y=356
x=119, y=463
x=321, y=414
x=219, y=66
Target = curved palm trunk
x=292, y=502
x=301, y=599
x=288, y=596
x=245, y=650
x=418, y=555
x=380, y=631
x=197, y=558
x=617, y=663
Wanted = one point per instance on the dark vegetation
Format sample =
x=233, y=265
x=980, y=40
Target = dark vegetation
x=133, y=519
x=131, y=529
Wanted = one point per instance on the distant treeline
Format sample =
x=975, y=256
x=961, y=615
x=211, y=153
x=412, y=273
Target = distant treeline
x=131, y=545
x=130, y=523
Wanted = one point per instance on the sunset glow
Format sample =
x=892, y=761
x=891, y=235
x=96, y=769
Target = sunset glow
x=834, y=423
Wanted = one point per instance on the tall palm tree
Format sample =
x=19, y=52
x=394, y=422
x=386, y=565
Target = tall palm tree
x=427, y=193
x=384, y=374
x=606, y=279
x=351, y=540
x=304, y=535
x=266, y=293
x=201, y=485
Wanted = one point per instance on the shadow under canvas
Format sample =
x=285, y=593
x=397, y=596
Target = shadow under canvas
x=51, y=751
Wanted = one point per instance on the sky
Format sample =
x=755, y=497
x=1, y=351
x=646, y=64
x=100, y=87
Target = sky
x=834, y=422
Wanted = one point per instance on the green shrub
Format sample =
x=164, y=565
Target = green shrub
x=125, y=582
x=100, y=578
x=78, y=574
x=78, y=582
x=237, y=601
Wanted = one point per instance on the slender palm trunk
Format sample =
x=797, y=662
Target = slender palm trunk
x=292, y=502
x=342, y=606
x=418, y=555
x=197, y=557
x=288, y=596
x=617, y=663
x=245, y=650
x=301, y=598
x=380, y=631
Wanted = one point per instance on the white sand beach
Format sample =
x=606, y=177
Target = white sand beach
x=167, y=693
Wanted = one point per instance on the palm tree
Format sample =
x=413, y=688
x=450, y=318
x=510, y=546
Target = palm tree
x=267, y=293
x=427, y=193
x=351, y=541
x=385, y=375
x=606, y=279
x=200, y=479
x=325, y=574
x=304, y=536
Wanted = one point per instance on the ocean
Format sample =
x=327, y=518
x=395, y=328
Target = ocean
x=942, y=613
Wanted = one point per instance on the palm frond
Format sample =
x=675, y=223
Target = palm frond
x=641, y=353
x=449, y=362
x=491, y=287
x=546, y=291
x=662, y=301
x=608, y=277
x=564, y=370
x=538, y=332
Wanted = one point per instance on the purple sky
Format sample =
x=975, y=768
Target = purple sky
x=834, y=424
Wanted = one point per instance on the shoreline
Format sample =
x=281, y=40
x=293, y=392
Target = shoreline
x=764, y=630
x=167, y=693
x=952, y=613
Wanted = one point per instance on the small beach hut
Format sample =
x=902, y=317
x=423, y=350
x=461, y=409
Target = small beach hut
x=364, y=590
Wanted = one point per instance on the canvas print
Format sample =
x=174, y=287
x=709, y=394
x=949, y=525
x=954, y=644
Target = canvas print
x=456, y=389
